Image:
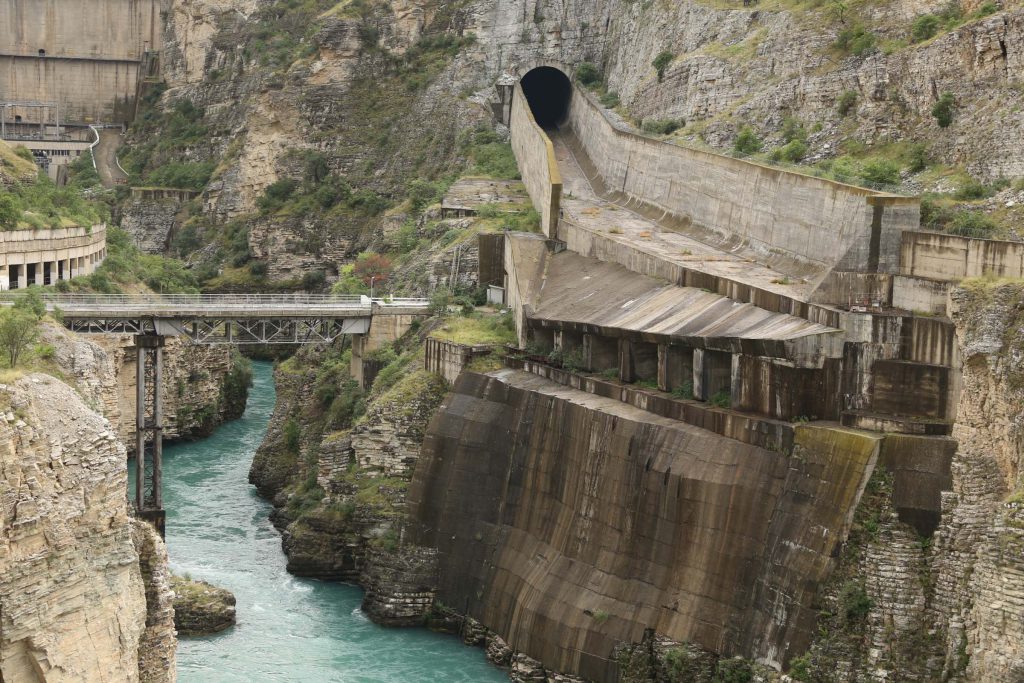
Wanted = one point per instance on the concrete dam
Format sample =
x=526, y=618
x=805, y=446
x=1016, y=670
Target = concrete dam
x=742, y=348
x=85, y=60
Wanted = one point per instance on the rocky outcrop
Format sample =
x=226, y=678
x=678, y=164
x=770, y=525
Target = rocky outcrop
x=204, y=386
x=82, y=593
x=201, y=608
x=150, y=222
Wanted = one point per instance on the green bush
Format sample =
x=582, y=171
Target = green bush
x=856, y=40
x=972, y=224
x=846, y=102
x=880, y=171
x=924, y=27
x=610, y=100
x=721, y=399
x=747, y=141
x=19, y=329
x=917, y=157
x=943, y=110
x=662, y=61
x=735, y=670
x=292, y=436
x=588, y=74
x=277, y=193
x=973, y=189
x=661, y=126
x=792, y=152
x=854, y=603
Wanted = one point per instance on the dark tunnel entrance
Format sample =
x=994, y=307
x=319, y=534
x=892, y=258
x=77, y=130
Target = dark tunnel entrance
x=548, y=91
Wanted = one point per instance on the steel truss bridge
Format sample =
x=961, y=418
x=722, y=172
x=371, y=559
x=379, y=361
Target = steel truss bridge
x=206, y=319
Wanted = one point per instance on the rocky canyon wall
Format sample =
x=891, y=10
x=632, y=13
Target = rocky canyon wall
x=75, y=603
x=203, y=385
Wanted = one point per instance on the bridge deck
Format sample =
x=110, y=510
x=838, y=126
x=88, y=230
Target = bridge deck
x=250, y=306
x=225, y=318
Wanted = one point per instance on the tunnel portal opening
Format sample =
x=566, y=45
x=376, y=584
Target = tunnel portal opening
x=548, y=91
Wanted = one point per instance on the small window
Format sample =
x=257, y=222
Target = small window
x=42, y=52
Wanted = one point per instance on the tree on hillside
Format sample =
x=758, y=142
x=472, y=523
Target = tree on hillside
x=18, y=330
x=371, y=266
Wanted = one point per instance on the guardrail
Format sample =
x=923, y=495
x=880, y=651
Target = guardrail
x=128, y=304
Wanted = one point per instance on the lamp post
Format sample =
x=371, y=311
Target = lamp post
x=372, y=278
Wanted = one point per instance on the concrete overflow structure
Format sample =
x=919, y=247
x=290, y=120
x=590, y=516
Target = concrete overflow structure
x=44, y=257
x=717, y=355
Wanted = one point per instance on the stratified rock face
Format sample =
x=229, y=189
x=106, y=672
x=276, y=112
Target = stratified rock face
x=201, y=608
x=568, y=523
x=150, y=222
x=979, y=546
x=196, y=379
x=72, y=597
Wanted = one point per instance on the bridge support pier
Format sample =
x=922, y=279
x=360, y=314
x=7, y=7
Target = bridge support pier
x=149, y=423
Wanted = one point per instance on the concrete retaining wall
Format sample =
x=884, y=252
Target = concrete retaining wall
x=53, y=254
x=449, y=359
x=799, y=223
x=948, y=257
x=537, y=164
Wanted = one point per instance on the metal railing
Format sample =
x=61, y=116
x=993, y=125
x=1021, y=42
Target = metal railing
x=214, y=302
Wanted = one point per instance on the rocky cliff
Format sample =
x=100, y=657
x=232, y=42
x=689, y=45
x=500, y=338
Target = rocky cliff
x=203, y=385
x=84, y=591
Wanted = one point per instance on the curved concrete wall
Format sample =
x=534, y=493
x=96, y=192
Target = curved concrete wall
x=43, y=257
x=814, y=224
x=537, y=164
x=569, y=523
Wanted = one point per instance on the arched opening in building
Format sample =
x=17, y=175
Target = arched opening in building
x=548, y=91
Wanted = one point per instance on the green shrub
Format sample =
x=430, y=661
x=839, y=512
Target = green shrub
x=854, y=603
x=800, y=668
x=924, y=27
x=735, y=670
x=792, y=152
x=610, y=100
x=19, y=329
x=277, y=193
x=917, y=157
x=987, y=9
x=972, y=224
x=588, y=74
x=973, y=189
x=292, y=436
x=661, y=126
x=747, y=141
x=846, y=102
x=793, y=129
x=943, y=110
x=721, y=399
x=856, y=40
x=182, y=174
x=660, y=62
x=880, y=171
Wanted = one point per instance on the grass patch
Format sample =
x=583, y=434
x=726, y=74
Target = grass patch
x=477, y=328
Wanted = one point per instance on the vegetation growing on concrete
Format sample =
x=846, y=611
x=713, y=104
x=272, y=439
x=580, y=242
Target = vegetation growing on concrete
x=40, y=204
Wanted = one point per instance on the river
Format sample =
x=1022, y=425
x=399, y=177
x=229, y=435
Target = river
x=289, y=629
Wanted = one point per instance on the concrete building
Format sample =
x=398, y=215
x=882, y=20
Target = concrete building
x=43, y=257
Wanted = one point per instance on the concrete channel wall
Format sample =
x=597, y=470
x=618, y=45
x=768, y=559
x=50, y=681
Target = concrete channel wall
x=536, y=157
x=800, y=223
x=43, y=257
x=449, y=359
x=947, y=257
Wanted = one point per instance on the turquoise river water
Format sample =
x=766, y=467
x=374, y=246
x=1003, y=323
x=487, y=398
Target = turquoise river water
x=289, y=629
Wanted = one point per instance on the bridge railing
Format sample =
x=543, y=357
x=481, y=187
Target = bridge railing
x=73, y=302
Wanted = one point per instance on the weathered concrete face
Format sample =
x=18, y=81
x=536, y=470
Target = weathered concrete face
x=815, y=224
x=84, y=54
x=536, y=158
x=568, y=522
x=948, y=257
